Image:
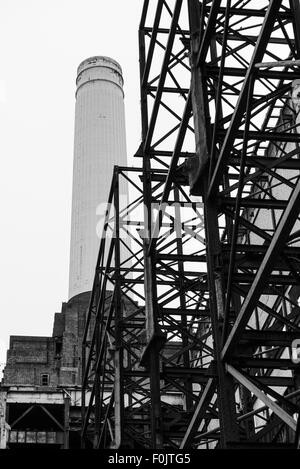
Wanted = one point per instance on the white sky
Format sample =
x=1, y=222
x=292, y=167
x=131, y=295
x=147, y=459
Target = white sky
x=42, y=43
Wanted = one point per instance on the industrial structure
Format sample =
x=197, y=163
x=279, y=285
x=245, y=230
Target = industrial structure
x=40, y=395
x=99, y=144
x=195, y=346
x=190, y=333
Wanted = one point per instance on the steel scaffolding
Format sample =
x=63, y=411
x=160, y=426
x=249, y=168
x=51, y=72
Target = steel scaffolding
x=192, y=332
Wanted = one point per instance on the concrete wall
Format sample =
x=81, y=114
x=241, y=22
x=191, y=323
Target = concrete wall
x=4, y=427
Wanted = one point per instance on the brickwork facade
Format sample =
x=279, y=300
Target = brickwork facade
x=50, y=361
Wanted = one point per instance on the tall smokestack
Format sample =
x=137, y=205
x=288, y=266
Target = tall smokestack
x=99, y=144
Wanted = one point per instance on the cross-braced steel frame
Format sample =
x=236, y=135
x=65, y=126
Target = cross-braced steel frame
x=191, y=335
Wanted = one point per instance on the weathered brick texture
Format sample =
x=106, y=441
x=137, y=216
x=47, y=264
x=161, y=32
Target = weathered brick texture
x=59, y=356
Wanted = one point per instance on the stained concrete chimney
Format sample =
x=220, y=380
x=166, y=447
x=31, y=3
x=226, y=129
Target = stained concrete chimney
x=99, y=144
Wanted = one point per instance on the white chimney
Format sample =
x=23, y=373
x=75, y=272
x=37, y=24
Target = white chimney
x=99, y=144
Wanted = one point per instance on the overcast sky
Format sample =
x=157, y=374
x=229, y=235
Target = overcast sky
x=42, y=43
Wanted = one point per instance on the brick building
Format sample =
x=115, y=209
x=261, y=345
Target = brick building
x=40, y=395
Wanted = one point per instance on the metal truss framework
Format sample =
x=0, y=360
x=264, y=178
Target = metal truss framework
x=51, y=423
x=195, y=304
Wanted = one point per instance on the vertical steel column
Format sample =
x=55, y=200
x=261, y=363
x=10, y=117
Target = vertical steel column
x=149, y=262
x=295, y=8
x=234, y=234
x=186, y=358
x=97, y=387
x=201, y=156
x=118, y=362
x=226, y=400
x=83, y=392
x=66, y=421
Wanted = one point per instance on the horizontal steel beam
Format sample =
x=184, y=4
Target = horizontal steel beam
x=261, y=136
x=264, y=203
x=279, y=280
x=260, y=249
x=276, y=381
x=268, y=162
x=269, y=337
x=213, y=70
x=199, y=312
x=267, y=363
x=252, y=12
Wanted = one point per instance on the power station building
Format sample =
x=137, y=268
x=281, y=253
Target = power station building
x=40, y=391
x=190, y=333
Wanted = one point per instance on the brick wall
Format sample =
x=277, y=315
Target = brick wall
x=28, y=358
x=58, y=356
